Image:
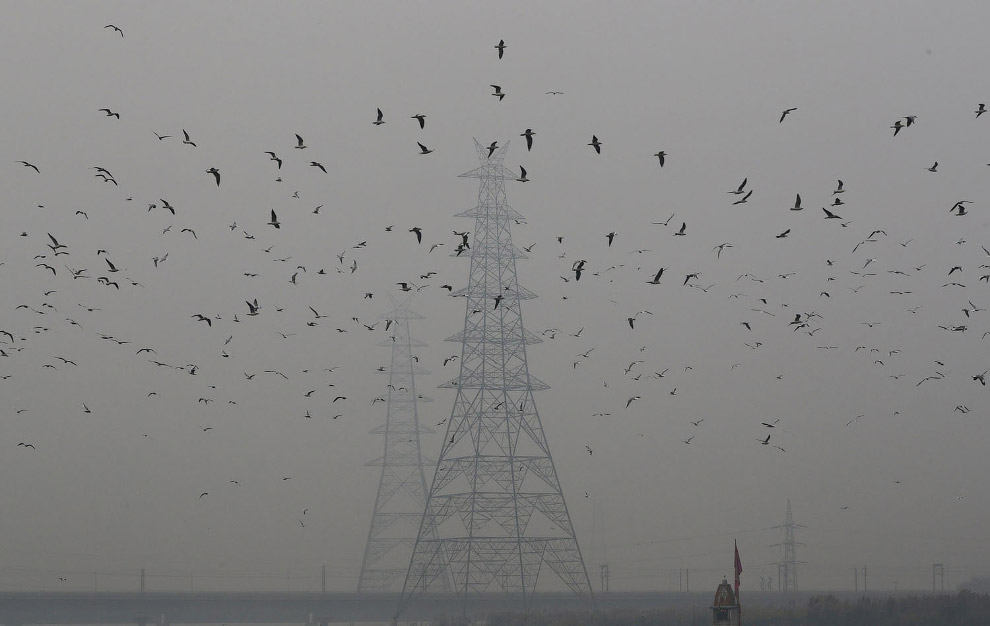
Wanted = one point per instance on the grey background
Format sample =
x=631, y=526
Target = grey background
x=108, y=492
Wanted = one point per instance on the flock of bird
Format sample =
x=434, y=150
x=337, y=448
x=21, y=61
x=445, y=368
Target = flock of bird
x=71, y=287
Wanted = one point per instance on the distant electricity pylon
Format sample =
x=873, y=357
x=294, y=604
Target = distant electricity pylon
x=787, y=578
x=495, y=514
x=938, y=569
x=402, y=487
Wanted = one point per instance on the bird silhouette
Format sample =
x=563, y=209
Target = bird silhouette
x=744, y=199
x=529, y=138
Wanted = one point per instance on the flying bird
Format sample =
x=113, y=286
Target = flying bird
x=720, y=247
x=681, y=232
x=500, y=47
x=744, y=199
x=216, y=175
x=660, y=155
x=110, y=113
x=980, y=111
x=379, y=121
x=116, y=28
x=797, y=203
x=492, y=148
x=656, y=279
x=421, y=118
x=274, y=221
x=423, y=149
x=785, y=113
x=419, y=233
x=529, y=138
x=31, y=165
x=522, y=176
x=300, y=144
x=596, y=144
x=577, y=267
x=319, y=165
x=498, y=92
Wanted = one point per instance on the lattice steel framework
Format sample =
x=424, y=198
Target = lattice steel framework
x=787, y=578
x=495, y=513
x=402, y=487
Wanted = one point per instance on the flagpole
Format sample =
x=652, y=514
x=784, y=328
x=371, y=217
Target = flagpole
x=737, y=566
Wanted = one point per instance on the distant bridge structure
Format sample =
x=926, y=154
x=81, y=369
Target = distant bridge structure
x=314, y=609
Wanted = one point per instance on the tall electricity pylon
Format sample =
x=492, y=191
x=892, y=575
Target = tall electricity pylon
x=787, y=578
x=495, y=514
x=402, y=487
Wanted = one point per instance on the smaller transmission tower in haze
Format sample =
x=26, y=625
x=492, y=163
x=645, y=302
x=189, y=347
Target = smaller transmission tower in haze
x=787, y=578
x=402, y=487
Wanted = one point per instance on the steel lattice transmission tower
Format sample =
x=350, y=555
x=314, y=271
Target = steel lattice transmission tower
x=402, y=487
x=495, y=513
x=787, y=578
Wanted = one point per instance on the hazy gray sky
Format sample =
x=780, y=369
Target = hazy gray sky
x=885, y=472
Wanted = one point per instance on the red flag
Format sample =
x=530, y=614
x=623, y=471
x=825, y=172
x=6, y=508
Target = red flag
x=738, y=568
